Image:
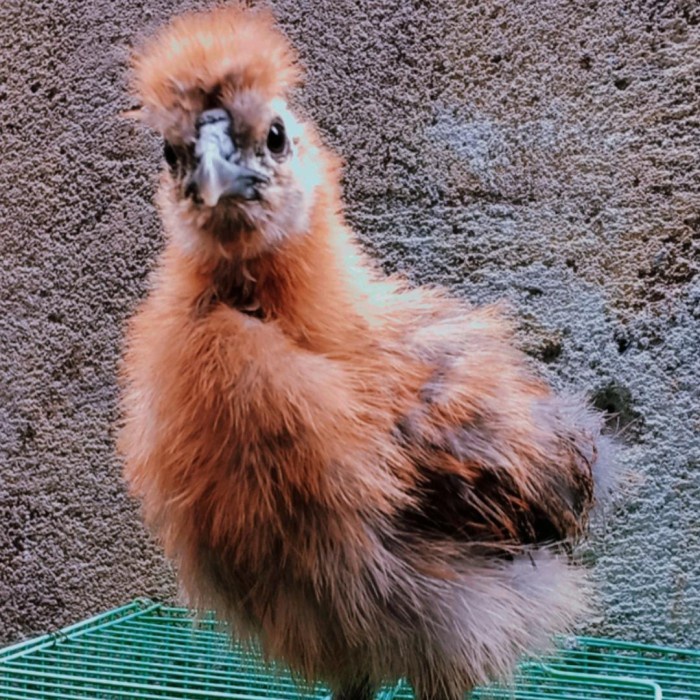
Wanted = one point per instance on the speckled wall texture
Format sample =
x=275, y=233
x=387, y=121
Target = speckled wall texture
x=544, y=152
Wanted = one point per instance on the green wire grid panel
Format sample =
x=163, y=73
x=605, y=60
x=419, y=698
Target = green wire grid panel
x=149, y=650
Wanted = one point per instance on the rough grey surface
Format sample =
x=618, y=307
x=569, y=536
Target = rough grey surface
x=546, y=153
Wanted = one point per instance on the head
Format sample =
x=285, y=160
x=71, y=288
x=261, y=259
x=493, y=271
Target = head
x=240, y=170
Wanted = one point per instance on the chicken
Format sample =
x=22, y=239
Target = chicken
x=365, y=477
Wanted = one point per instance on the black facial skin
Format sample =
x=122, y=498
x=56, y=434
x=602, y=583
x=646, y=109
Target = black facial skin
x=177, y=159
x=170, y=156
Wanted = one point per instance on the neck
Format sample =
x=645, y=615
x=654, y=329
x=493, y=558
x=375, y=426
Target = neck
x=311, y=285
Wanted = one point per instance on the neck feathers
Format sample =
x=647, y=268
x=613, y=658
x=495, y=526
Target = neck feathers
x=312, y=285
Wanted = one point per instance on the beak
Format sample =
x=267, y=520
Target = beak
x=217, y=173
x=215, y=178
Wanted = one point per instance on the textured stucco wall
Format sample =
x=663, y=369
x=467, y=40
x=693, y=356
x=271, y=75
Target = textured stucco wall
x=543, y=152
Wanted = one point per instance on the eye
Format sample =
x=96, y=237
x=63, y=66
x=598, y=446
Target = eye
x=170, y=155
x=276, y=138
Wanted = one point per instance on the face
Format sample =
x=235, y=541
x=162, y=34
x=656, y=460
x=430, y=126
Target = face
x=244, y=178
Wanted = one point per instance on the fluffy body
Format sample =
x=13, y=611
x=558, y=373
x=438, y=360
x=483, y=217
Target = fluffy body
x=367, y=478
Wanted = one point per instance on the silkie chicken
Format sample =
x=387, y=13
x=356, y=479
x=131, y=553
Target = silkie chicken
x=367, y=478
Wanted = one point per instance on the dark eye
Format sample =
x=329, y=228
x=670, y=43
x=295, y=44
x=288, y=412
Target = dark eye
x=276, y=138
x=170, y=155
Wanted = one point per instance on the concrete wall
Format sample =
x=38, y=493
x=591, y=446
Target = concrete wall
x=544, y=152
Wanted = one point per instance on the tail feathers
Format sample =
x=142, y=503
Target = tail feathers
x=482, y=626
x=577, y=414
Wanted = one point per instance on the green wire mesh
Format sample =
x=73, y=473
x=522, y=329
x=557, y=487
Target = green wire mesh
x=149, y=650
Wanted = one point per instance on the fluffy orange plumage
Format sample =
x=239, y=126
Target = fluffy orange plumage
x=367, y=478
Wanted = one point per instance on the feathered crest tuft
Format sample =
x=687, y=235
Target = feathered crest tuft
x=199, y=55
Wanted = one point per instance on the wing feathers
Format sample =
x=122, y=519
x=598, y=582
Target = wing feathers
x=485, y=483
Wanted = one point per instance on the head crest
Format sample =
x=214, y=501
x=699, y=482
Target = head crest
x=198, y=56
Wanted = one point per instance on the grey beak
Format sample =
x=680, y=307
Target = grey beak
x=218, y=174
